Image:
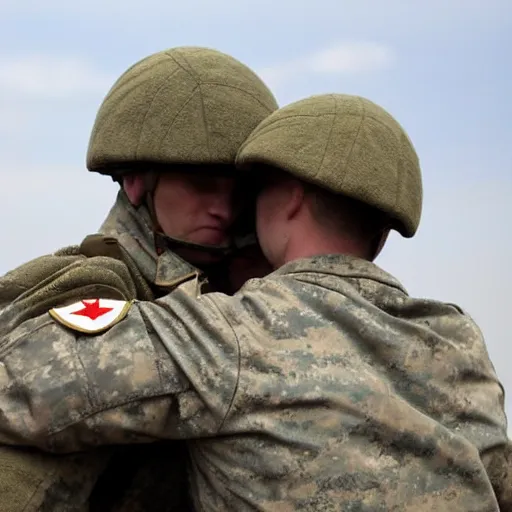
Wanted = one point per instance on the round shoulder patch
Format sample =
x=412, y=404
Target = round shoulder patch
x=91, y=315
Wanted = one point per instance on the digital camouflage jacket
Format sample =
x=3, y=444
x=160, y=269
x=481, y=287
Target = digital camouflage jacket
x=323, y=386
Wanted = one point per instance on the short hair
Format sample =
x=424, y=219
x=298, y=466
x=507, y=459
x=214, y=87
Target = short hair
x=345, y=215
x=338, y=213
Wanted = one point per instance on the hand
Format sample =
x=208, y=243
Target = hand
x=83, y=278
x=30, y=274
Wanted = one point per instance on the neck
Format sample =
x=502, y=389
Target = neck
x=318, y=243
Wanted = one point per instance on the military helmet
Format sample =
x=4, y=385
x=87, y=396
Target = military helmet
x=185, y=105
x=347, y=145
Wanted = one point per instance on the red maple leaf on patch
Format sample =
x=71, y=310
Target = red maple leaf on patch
x=92, y=310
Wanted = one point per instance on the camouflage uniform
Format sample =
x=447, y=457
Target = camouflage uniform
x=174, y=109
x=323, y=386
x=34, y=482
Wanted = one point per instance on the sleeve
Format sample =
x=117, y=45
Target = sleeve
x=167, y=370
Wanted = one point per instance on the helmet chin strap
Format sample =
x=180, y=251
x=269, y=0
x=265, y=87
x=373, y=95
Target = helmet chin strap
x=165, y=242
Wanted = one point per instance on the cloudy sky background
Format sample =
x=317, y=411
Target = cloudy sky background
x=442, y=67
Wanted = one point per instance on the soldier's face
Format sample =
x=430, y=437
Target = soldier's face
x=197, y=208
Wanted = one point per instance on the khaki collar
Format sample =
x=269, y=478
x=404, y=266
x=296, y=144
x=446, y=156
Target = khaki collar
x=132, y=228
x=340, y=265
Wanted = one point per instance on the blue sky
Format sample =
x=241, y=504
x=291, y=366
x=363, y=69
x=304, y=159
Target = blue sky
x=442, y=67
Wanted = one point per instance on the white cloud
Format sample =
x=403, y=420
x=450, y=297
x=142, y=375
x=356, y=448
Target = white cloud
x=341, y=58
x=351, y=58
x=51, y=77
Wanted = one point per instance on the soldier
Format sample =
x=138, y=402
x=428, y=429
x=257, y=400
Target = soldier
x=168, y=131
x=322, y=386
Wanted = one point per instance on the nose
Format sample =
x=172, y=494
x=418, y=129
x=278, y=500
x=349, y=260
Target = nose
x=222, y=201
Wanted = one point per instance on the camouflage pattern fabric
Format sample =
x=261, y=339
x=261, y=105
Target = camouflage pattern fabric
x=149, y=477
x=33, y=481
x=321, y=387
x=40, y=482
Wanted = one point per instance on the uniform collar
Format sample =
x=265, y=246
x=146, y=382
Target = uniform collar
x=132, y=228
x=340, y=265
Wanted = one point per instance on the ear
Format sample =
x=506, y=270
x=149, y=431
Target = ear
x=294, y=198
x=133, y=185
